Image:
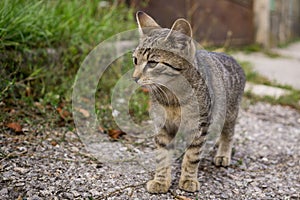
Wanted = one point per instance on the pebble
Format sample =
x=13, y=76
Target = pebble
x=265, y=159
x=21, y=170
x=75, y=193
x=20, y=184
x=269, y=168
x=3, y=192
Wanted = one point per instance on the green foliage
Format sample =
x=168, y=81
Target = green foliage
x=253, y=76
x=42, y=43
x=292, y=99
x=139, y=106
x=33, y=24
x=139, y=102
x=253, y=48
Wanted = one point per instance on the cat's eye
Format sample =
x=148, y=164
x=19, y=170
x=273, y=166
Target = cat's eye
x=135, y=60
x=169, y=65
x=152, y=63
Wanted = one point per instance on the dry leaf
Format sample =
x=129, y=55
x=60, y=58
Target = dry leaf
x=63, y=113
x=101, y=129
x=15, y=126
x=84, y=112
x=39, y=105
x=53, y=143
x=183, y=198
x=85, y=100
x=145, y=90
x=115, y=134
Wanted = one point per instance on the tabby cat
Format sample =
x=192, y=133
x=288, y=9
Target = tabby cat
x=177, y=75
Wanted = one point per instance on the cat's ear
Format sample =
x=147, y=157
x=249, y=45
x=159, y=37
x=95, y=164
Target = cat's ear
x=145, y=22
x=182, y=26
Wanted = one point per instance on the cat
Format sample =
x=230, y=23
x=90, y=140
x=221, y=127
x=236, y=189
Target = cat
x=177, y=75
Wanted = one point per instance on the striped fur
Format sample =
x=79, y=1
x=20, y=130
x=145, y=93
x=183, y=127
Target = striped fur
x=178, y=77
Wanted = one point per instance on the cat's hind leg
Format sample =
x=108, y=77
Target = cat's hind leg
x=225, y=142
x=162, y=178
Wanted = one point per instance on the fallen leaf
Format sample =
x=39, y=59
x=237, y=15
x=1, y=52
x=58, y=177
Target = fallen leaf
x=86, y=100
x=84, y=112
x=128, y=138
x=39, y=105
x=28, y=91
x=15, y=126
x=12, y=111
x=145, y=90
x=53, y=143
x=115, y=134
x=63, y=113
x=183, y=198
x=101, y=129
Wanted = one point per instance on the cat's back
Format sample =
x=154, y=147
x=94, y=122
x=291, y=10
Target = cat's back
x=222, y=64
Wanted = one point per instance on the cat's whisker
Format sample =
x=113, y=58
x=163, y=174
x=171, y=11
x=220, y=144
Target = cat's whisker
x=163, y=93
x=157, y=91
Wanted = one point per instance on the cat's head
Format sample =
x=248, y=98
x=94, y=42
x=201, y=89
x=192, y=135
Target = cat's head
x=162, y=54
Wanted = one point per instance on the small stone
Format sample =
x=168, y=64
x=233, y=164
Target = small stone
x=20, y=184
x=34, y=197
x=75, y=193
x=74, y=149
x=68, y=195
x=217, y=192
x=3, y=192
x=239, y=183
x=236, y=191
x=257, y=189
x=264, y=186
x=94, y=192
x=21, y=170
x=225, y=196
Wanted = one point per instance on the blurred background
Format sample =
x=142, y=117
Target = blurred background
x=43, y=43
x=242, y=22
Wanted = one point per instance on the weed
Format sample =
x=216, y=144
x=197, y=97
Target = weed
x=271, y=54
x=253, y=76
x=42, y=44
x=292, y=99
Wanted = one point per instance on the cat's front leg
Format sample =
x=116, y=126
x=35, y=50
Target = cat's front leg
x=162, y=178
x=189, y=169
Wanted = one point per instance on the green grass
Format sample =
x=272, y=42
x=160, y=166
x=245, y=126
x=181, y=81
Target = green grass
x=292, y=99
x=137, y=106
x=253, y=48
x=286, y=44
x=32, y=24
x=42, y=44
x=253, y=76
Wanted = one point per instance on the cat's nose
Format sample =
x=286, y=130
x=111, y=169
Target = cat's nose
x=136, y=79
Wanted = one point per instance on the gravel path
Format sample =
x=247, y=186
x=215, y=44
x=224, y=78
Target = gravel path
x=54, y=164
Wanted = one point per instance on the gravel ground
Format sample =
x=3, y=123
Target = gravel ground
x=55, y=165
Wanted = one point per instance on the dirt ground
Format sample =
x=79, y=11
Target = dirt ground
x=54, y=164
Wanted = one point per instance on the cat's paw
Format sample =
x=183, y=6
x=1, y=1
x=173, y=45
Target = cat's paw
x=154, y=186
x=223, y=161
x=189, y=185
